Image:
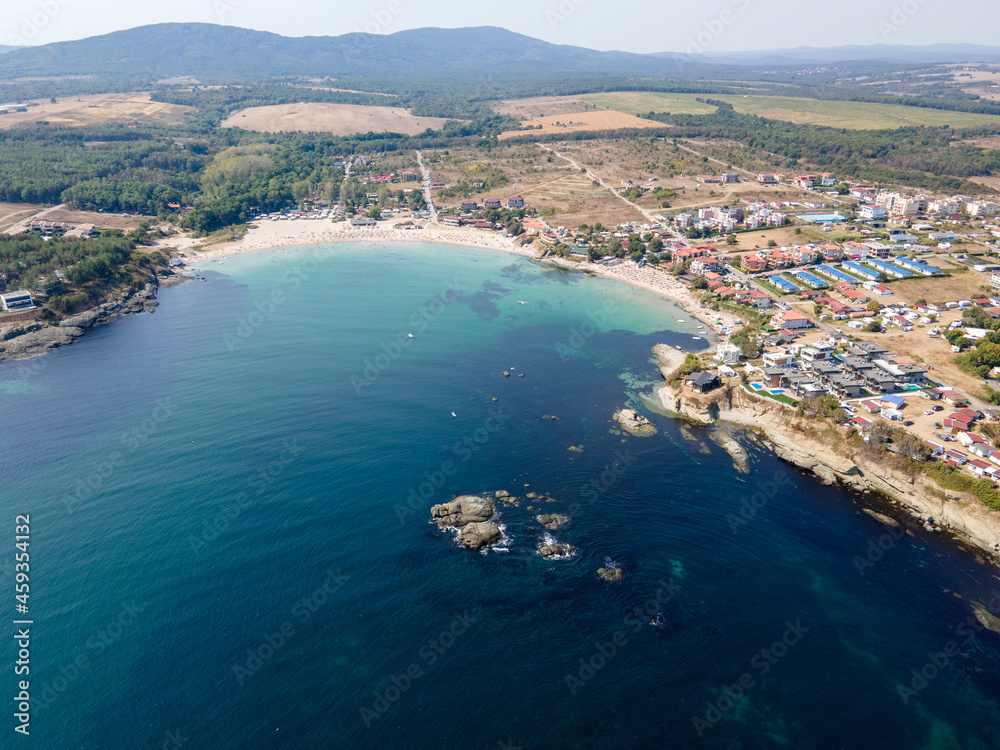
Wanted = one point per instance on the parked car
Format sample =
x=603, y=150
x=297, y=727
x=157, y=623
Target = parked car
x=908, y=423
x=937, y=425
x=928, y=411
x=938, y=407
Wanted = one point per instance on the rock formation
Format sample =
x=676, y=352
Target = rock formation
x=634, y=423
x=472, y=516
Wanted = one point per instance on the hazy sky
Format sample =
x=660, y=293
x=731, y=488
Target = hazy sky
x=633, y=25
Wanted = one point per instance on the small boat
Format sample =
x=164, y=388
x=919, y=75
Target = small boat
x=696, y=338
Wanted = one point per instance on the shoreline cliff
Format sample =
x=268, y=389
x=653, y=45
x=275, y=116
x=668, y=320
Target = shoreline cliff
x=34, y=338
x=795, y=440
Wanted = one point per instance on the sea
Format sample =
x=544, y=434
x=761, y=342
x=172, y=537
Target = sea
x=230, y=541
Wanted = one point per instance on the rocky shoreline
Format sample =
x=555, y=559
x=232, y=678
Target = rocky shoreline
x=780, y=430
x=35, y=338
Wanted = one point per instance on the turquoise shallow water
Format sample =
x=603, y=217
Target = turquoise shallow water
x=230, y=537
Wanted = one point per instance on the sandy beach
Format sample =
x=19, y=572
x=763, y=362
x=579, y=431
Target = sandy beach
x=269, y=234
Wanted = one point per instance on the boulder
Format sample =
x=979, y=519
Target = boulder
x=463, y=510
x=634, y=423
x=81, y=320
x=475, y=536
x=553, y=521
x=611, y=574
x=556, y=549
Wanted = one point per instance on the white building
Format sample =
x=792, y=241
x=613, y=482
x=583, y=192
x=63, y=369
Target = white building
x=871, y=212
x=17, y=301
x=982, y=208
x=728, y=353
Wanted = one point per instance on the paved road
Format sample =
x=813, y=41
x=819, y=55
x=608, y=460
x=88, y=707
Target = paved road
x=427, y=188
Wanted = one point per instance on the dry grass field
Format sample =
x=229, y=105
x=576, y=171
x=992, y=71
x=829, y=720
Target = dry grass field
x=784, y=236
x=542, y=106
x=573, y=199
x=983, y=83
x=99, y=220
x=961, y=284
x=98, y=109
x=576, y=121
x=546, y=185
x=12, y=213
x=990, y=182
x=338, y=119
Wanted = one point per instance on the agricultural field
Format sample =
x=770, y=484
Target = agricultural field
x=581, y=121
x=543, y=106
x=984, y=83
x=338, y=119
x=99, y=109
x=852, y=115
x=643, y=102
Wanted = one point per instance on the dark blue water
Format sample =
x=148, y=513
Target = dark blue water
x=230, y=543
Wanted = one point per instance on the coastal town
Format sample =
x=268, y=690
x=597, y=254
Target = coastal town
x=812, y=286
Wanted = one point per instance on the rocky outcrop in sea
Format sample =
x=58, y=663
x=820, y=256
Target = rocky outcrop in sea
x=634, y=423
x=22, y=342
x=472, y=516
